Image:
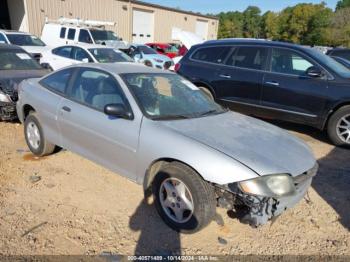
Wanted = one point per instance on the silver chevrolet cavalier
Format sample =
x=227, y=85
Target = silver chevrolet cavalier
x=159, y=130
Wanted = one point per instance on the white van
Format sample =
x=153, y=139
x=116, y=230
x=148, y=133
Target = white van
x=67, y=31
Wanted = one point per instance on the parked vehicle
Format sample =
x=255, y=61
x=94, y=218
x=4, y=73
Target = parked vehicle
x=146, y=55
x=274, y=80
x=28, y=42
x=67, y=55
x=76, y=31
x=340, y=52
x=343, y=61
x=156, y=128
x=15, y=65
x=164, y=49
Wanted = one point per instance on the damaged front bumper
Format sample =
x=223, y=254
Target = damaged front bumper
x=8, y=111
x=258, y=210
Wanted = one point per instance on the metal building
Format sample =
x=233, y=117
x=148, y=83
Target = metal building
x=136, y=21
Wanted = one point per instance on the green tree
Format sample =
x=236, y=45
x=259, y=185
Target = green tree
x=339, y=30
x=342, y=4
x=252, y=22
x=270, y=25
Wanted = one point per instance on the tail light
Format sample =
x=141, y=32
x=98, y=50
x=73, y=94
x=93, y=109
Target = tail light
x=177, y=67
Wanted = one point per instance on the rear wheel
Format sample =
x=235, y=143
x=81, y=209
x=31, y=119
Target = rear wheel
x=339, y=127
x=35, y=137
x=183, y=199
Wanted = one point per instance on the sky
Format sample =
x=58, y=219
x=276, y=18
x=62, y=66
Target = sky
x=217, y=6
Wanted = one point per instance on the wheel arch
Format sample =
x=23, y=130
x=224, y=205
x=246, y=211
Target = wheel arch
x=26, y=110
x=332, y=111
x=153, y=169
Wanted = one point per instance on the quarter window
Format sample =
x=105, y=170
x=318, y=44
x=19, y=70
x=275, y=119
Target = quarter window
x=3, y=39
x=57, y=82
x=63, y=32
x=96, y=89
x=215, y=54
x=289, y=62
x=248, y=57
x=71, y=34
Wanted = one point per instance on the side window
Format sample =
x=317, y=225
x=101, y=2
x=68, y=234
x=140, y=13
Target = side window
x=64, y=51
x=2, y=39
x=84, y=36
x=63, y=32
x=215, y=54
x=57, y=82
x=288, y=62
x=71, y=34
x=96, y=89
x=342, y=53
x=80, y=54
x=248, y=57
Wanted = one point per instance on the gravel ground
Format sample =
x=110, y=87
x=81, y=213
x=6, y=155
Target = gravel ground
x=64, y=204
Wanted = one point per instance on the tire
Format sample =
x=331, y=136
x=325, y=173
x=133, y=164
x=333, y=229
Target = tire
x=338, y=127
x=197, y=191
x=207, y=92
x=35, y=137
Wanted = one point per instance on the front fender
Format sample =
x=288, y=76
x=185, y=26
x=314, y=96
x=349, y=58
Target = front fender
x=158, y=142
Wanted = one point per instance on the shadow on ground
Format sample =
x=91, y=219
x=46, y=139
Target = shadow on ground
x=155, y=238
x=332, y=182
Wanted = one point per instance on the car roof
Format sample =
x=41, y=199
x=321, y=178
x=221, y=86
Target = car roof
x=10, y=32
x=124, y=68
x=89, y=46
x=250, y=41
x=7, y=46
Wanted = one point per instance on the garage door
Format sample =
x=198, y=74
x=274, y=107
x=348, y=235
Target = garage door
x=202, y=29
x=143, y=27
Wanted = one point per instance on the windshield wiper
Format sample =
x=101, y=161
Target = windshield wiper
x=171, y=117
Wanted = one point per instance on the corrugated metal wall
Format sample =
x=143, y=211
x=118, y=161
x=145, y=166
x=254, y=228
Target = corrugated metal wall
x=115, y=11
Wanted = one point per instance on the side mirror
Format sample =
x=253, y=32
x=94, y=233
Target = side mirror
x=117, y=110
x=314, y=71
x=85, y=60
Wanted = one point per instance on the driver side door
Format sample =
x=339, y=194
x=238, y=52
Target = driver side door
x=288, y=93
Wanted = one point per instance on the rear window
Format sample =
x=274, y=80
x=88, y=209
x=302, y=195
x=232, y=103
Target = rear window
x=71, y=34
x=249, y=57
x=215, y=54
x=63, y=32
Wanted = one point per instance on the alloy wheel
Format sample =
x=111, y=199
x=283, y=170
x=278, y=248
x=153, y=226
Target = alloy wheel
x=33, y=135
x=343, y=129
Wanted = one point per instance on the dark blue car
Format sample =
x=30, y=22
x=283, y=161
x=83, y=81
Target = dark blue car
x=274, y=80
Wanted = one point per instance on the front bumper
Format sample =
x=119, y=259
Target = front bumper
x=8, y=111
x=258, y=210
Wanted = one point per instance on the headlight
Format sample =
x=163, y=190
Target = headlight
x=270, y=186
x=4, y=98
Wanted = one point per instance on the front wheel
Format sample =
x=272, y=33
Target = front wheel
x=35, y=138
x=339, y=127
x=183, y=199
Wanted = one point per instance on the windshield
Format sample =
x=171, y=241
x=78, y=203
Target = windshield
x=334, y=65
x=169, y=96
x=109, y=55
x=24, y=40
x=172, y=49
x=14, y=59
x=103, y=35
x=147, y=50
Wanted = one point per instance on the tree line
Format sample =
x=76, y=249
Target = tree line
x=306, y=24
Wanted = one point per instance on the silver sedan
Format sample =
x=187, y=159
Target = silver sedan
x=159, y=130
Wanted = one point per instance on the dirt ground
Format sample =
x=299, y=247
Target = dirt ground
x=64, y=204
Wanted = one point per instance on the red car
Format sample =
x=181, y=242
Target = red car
x=164, y=49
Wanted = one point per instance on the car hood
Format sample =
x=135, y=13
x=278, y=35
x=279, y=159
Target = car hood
x=264, y=148
x=157, y=56
x=188, y=39
x=36, y=49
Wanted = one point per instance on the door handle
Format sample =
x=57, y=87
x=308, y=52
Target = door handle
x=66, y=108
x=272, y=83
x=225, y=76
